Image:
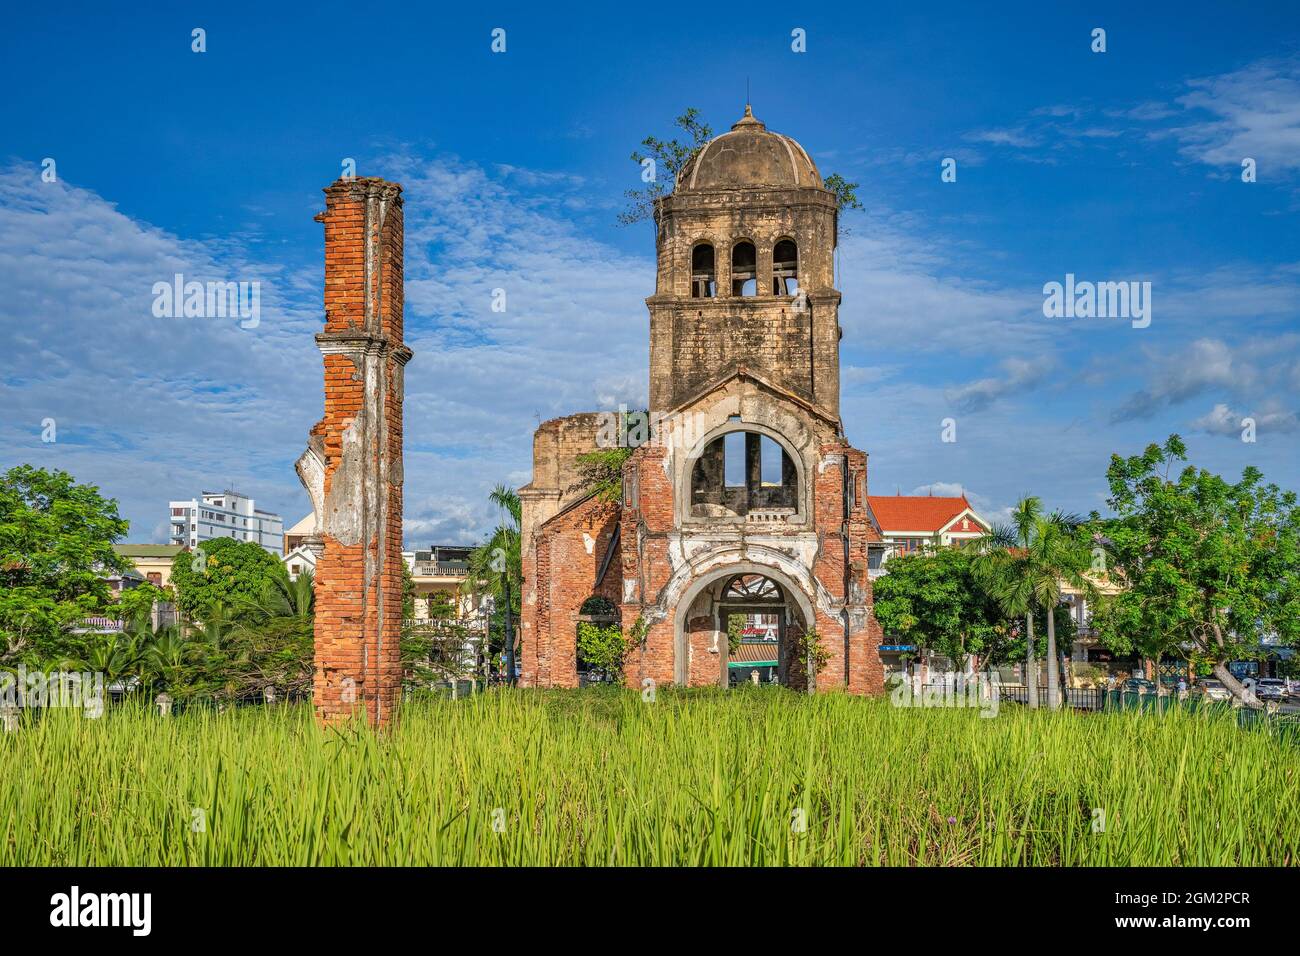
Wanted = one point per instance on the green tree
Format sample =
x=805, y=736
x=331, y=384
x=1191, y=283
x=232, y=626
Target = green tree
x=408, y=592
x=1206, y=564
x=846, y=193
x=1024, y=567
x=137, y=603
x=282, y=597
x=436, y=650
x=272, y=644
x=166, y=660
x=442, y=606
x=117, y=655
x=56, y=546
x=667, y=158
x=496, y=568
x=735, y=631
x=602, y=647
x=601, y=472
x=932, y=599
x=223, y=571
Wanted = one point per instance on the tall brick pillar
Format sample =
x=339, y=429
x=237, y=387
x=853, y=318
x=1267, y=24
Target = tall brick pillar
x=352, y=468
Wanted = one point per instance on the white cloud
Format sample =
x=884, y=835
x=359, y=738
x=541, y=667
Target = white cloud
x=1004, y=137
x=906, y=288
x=1254, y=112
x=1206, y=365
x=1222, y=420
x=152, y=409
x=147, y=408
x=1018, y=376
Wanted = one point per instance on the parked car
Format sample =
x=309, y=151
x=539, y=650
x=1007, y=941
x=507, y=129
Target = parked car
x=1138, y=685
x=1270, y=688
x=1212, y=690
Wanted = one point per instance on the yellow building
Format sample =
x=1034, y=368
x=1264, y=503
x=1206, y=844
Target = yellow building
x=153, y=562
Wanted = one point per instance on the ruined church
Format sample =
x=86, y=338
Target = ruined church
x=746, y=498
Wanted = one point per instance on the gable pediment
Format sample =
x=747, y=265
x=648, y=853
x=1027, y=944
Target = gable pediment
x=743, y=372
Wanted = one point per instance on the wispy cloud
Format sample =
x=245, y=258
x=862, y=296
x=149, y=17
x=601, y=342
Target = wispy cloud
x=1018, y=138
x=1256, y=366
x=148, y=408
x=1222, y=420
x=1253, y=112
x=1019, y=375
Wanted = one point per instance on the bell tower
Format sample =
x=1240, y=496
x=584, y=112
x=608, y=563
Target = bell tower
x=746, y=244
x=749, y=503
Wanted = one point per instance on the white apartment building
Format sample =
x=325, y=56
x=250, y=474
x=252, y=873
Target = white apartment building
x=225, y=514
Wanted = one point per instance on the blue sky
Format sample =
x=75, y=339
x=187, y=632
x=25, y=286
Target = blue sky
x=1115, y=166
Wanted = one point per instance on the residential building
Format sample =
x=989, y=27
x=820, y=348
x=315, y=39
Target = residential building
x=225, y=514
x=153, y=562
x=908, y=523
x=299, y=561
x=1086, y=647
x=297, y=536
x=298, y=557
x=439, y=572
x=147, y=560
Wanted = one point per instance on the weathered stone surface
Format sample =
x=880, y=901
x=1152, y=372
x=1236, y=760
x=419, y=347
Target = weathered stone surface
x=766, y=364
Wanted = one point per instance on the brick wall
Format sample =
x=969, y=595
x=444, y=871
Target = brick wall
x=567, y=558
x=356, y=478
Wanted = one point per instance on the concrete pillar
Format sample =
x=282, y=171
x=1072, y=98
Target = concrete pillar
x=352, y=468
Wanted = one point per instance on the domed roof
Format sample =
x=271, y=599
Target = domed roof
x=748, y=155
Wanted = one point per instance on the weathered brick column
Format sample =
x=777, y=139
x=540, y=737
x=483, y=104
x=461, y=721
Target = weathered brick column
x=352, y=468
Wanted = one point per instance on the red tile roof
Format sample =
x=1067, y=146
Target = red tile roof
x=915, y=513
x=755, y=653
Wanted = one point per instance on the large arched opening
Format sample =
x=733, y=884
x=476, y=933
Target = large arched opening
x=740, y=625
x=743, y=472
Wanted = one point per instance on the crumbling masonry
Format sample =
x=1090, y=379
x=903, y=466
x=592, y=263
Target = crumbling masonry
x=748, y=496
x=352, y=468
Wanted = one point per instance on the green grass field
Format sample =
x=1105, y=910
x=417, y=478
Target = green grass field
x=697, y=778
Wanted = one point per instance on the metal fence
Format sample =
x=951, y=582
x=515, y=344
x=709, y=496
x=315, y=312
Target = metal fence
x=1077, y=698
x=1097, y=699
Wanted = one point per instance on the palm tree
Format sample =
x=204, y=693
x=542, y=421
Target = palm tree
x=273, y=637
x=1024, y=569
x=1000, y=570
x=166, y=658
x=496, y=565
x=1062, y=557
x=282, y=597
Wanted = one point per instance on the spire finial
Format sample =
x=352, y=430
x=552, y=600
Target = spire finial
x=748, y=120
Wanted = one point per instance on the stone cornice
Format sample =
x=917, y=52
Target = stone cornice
x=361, y=342
x=737, y=303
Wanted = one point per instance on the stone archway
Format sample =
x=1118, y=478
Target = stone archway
x=764, y=622
x=700, y=648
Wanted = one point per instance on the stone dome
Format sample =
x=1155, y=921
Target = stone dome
x=748, y=155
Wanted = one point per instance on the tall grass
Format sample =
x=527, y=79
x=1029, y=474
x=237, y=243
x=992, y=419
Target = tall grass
x=696, y=778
